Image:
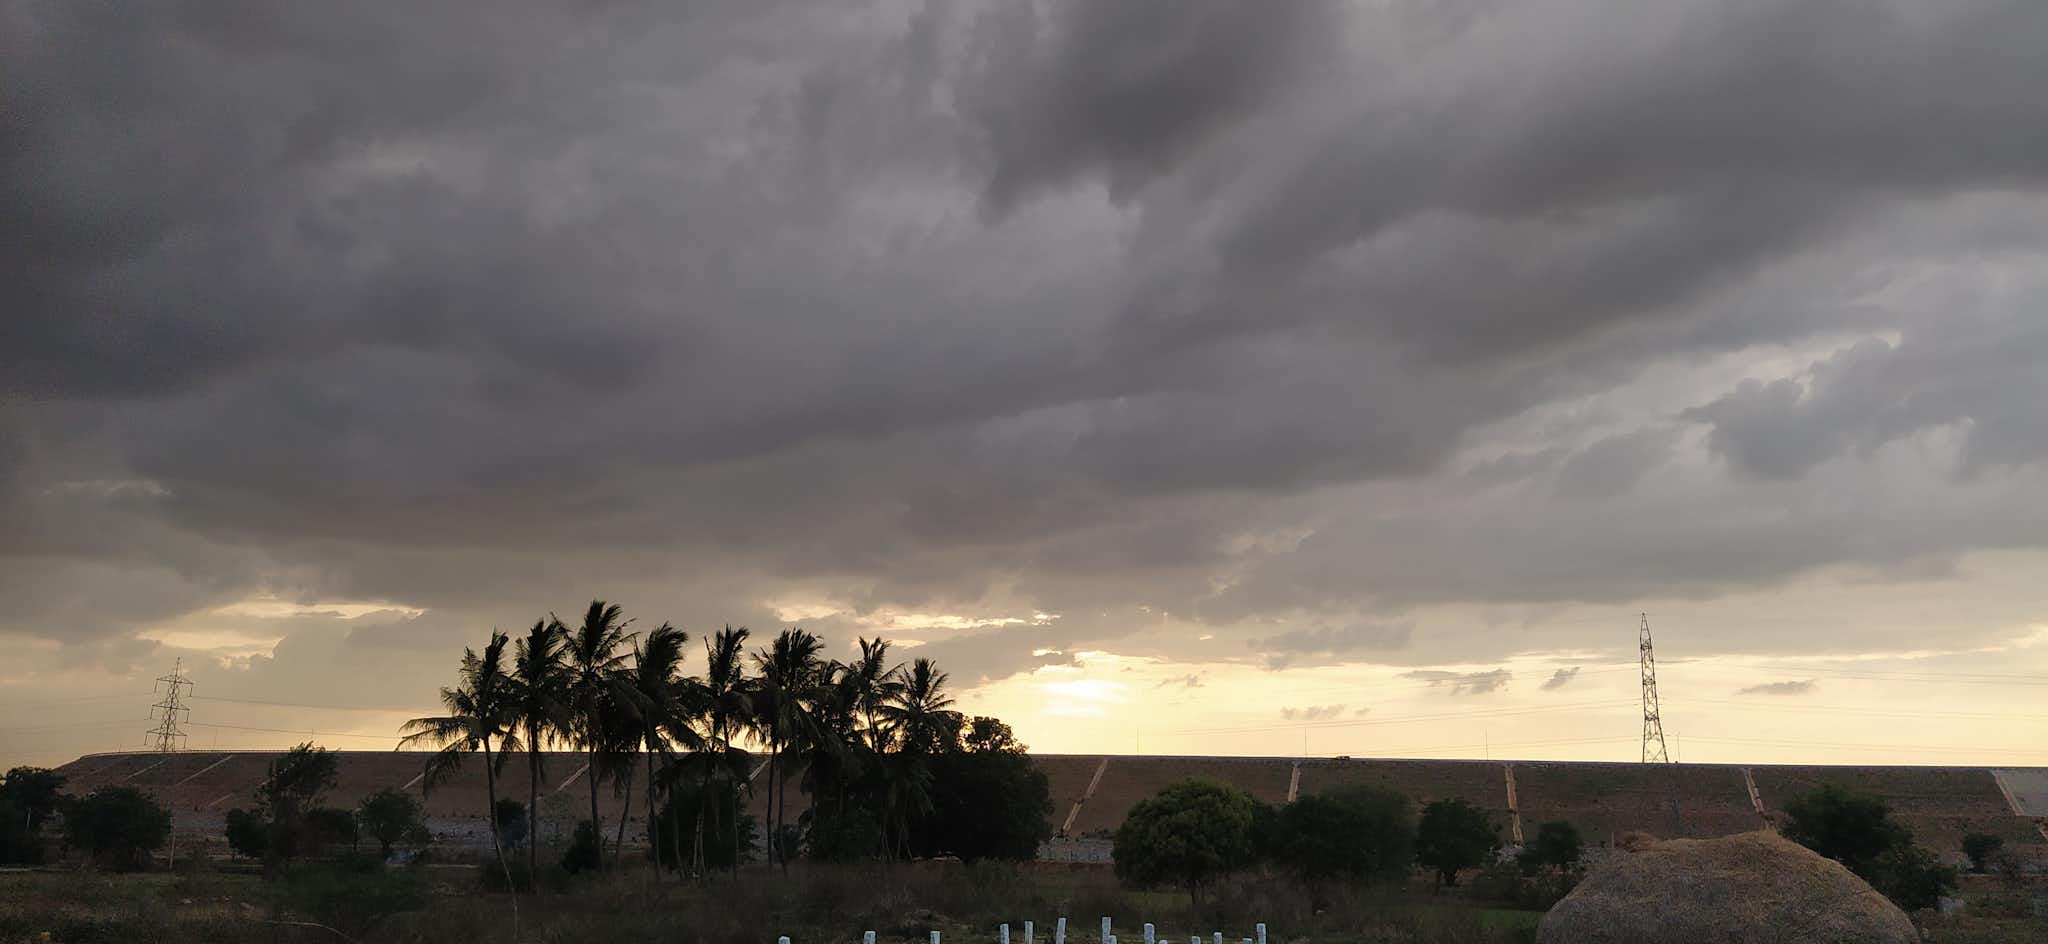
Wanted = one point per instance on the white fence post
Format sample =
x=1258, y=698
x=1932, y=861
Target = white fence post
x=782, y=940
x=1027, y=932
x=1149, y=939
x=1005, y=935
x=1106, y=936
x=1258, y=929
x=935, y=938
x=1059, y=931
x=867, y=937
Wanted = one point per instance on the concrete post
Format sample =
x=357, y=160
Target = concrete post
x=1106, y=936
x=1059, y=931
x=1258, y=929
x=1027, y=932
x=782, y=940
x=867, y=937
x=1219, y=937
x=1149, y=939
x=1004, y=937
x=935, y=938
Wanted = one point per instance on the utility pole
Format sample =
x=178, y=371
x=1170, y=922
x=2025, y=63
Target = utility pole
x=1653, y=722
x=168, y=735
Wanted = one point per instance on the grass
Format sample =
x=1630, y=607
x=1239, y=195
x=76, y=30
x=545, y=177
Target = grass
x=813, y=904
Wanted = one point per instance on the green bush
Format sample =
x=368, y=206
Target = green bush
x=1188, y=834
x=118, y=826
x=1353, y=831
x=1453, y=836
x=1858, y=831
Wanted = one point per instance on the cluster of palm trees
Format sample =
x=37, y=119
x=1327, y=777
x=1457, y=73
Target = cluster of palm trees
x=857, y=732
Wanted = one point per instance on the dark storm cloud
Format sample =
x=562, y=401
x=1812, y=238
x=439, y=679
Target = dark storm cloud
x=1961, y=373
x=715, y=307
x=1128, y=89
x=1560, y=679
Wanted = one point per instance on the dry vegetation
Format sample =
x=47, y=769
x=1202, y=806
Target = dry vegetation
x=814, y=904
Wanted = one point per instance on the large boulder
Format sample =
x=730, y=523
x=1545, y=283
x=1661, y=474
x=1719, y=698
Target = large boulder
x=1755, y=888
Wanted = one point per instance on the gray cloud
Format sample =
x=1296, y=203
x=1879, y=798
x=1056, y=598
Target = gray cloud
x=1799, y=687
x=1464, y=683
x=1312, y=713
x=1560, y=679
x=1281, y=320
x=1324, y=643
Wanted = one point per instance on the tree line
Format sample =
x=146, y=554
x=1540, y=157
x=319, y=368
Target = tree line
x=885, y=765
x=1194, y=833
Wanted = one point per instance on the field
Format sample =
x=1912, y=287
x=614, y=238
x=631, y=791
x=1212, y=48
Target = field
x=814, y=903
x=903, y=904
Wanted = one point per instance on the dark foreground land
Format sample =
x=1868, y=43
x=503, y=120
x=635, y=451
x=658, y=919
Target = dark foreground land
x=332, y=903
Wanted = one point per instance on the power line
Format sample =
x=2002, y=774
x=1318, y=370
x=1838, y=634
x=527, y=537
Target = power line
x=353, y=734
x=1401, y=719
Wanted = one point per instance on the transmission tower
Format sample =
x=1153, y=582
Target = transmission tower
x=167, y=736
x=1653, y=724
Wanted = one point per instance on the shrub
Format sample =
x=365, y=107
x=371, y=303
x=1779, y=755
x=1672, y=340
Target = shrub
x=392, y=817
x=1454, y=835
x=586, y=850
x=1557, y=846
x=247, y=833
x=1858, y=831
x=1188, y=834
x=1982, y=848
x=118, y=826
x=1354, y=831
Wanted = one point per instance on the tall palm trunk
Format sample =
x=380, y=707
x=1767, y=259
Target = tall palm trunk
x=625, y=814
x=768, y=809
x=653, y=839
x=532, y=801
x=590, y=771
x=498, y=846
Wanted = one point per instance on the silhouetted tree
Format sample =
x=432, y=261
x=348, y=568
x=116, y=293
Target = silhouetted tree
x=29, y=796
x=596, y=687
x=1556, y=845
x=785, y=693
x=540, y=711
x=294, y=786
x=392, y=816
x=479, y=714
x=1350, y=831
x=1858, y=830
x=1454, y=835
x=118, y=827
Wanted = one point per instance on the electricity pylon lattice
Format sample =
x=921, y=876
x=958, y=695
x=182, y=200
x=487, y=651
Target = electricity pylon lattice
x=1653, y=723
x=170, y=713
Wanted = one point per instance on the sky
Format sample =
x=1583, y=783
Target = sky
x=1185, y=376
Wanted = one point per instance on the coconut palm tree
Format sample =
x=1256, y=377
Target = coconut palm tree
x=596, y=686
x=656, y=693
x=479, y=712
x=789, y=671
x=872, y=682
x=724, y=703
x=540, y=710
x=921, y=714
